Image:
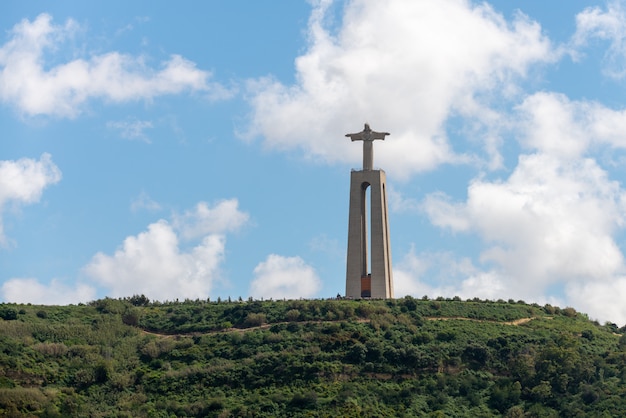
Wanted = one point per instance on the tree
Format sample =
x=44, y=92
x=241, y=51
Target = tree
x=504, y=395
x=131, y=317
x=476, y=355
x=357, y=353
x=139, y=300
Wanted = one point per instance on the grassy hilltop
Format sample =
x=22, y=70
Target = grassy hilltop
x=327, y=358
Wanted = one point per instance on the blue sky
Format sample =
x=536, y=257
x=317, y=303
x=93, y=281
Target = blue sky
x=198, y=151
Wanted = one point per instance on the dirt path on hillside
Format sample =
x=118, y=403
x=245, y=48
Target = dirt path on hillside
x=460, y=318
x=361, y=320
x=242, y=330
x=519, y=321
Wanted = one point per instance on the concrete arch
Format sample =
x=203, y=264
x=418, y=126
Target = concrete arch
x=360, y=282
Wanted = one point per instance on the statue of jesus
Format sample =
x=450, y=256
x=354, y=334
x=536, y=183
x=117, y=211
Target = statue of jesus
x=368, y=136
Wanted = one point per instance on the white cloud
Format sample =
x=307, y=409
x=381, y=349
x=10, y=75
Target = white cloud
x=20, y=290
x=444, y=213
x=281, y=277
x=551, y=220
x=405, y=67
x=440, y=274
x=484, y=285
x=23, y=181
x=153, y=263
x=609, y=25
x=132, y=129
x=551, y=223
x=408, y=276
x=36, y=87
x=553, y=124
x=223, y=217
x=447, y=274
x=603, y=300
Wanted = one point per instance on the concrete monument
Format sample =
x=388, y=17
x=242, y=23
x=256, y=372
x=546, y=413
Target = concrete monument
x=365, y=279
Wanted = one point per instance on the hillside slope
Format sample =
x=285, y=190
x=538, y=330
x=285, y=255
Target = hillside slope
x=403, y=357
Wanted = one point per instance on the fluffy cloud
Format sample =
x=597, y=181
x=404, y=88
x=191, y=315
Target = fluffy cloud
x=551, y=219
x=30, y=290
x=408, y=276
x=23, y=182
x=553, y=124
x=403, y=66
x=224, y=217
x=443, y=274
x=604, y=300
x=153, y=263
x=551, y=223
x=281, y=277
x=608, y=25
x=39, y=88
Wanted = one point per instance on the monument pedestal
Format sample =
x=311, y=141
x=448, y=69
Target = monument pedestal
x=361, y=283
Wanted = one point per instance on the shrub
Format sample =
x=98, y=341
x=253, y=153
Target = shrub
x=435, y=305
x=255, y=319
x=292, y=315
x=549, y=309
x=102, y=372
x=108, y=305
x=8, y=313
x=21, y=399
x=446, y=336
x=51, y=349
x=304, y=400
x=131, y=317
x=569, y=312
x=410, y=303
x=364, y=310
x=588, y=334
x=422, y=338
x=151, y=350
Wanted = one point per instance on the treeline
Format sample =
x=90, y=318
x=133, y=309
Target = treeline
x=405, y=357
x=192, y=315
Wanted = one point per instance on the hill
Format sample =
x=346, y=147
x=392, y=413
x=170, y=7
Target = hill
x=330, y=358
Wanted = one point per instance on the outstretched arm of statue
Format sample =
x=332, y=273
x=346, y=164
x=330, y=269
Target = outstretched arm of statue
x=367, y=135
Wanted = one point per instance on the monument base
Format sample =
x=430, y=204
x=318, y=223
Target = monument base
x=360, y=282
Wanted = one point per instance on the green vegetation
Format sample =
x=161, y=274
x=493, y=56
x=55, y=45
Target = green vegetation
x=327, y=358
